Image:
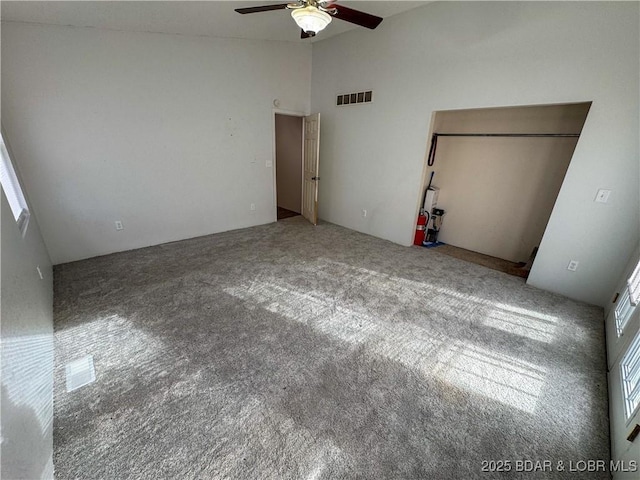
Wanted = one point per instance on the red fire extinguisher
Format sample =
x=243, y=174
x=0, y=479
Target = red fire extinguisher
x=420, y=229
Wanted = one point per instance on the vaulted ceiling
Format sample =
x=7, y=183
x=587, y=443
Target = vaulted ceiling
x=208, y=18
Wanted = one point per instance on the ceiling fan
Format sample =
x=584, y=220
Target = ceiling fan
x=313, y=16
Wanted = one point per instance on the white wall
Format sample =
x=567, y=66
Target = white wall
x=26, y=334
x=167, y=133
x=451, y=55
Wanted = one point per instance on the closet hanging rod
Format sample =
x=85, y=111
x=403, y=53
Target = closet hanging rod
x=566, y=135
x=434, y=139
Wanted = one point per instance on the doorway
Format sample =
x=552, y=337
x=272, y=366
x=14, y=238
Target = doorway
x=288, y=158
x=498, y=172
x=296, y=151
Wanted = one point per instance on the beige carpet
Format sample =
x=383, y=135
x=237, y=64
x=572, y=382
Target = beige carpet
x=288, y=351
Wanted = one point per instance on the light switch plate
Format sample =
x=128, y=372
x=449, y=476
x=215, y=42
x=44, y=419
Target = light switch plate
x=269, y=163
x=602, y=196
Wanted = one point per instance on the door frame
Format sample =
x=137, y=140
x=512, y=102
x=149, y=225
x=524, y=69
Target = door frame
x=290, y=113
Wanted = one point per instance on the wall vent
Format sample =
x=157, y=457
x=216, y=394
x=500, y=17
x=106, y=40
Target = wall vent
x=354, y=98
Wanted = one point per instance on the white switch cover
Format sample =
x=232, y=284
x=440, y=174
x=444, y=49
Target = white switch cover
x=252, y=207
x=269, y=163
x=573, y=265
x=602, y=196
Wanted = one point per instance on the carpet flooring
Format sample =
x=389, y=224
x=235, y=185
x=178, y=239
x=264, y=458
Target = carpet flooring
x=494, y=263
x=301, y=352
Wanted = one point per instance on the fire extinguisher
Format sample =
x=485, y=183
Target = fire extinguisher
x=420, y=229
x=423, y=219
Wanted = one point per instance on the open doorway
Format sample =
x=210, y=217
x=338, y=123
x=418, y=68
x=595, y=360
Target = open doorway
x=288, y=158
x=497, y=173
x=297, y=156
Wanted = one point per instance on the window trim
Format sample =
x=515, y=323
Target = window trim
x=623, y=312
x=12, y=188
x=631, y=356
x=633, y=286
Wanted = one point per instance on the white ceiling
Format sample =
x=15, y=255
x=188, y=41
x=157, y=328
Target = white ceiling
x=209, y=18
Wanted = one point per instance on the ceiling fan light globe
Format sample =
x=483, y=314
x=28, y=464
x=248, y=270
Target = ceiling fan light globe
x=310, y=19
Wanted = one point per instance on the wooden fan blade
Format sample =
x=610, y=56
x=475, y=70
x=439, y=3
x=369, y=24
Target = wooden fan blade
x=355, y=16
x=304, y=34
x=263, y=8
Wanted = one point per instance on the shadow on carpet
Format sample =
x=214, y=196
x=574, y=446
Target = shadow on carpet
x=322, y=354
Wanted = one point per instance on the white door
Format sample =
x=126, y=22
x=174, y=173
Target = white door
x=311, y=155
x=623, y=349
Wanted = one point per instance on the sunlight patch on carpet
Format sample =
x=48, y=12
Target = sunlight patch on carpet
x=400, y=341
x=500, y=377
x=515, y=320
x=494, y=375
x=524, y=324
x=109, y=339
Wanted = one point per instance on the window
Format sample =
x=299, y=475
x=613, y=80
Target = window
x=634, y=286
x=623, y=312
x=628, y=301
x=12, y=189
x=630, y=370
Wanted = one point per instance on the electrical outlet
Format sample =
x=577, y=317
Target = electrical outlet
x=119, y=225
x=252, y=207
x=364, y=213
x=602, y=196
x=573, y=265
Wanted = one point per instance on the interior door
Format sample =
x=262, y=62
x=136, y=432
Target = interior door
x=311, y=156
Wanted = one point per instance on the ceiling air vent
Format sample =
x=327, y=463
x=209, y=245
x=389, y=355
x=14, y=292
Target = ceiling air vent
x=354, y=98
